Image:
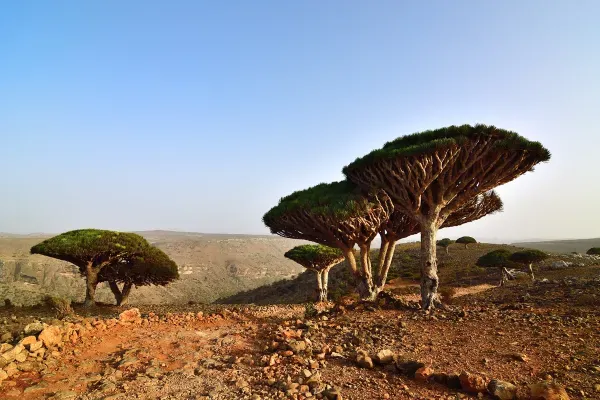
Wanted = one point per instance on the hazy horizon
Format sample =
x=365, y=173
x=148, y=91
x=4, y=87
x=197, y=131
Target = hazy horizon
x=199, y=117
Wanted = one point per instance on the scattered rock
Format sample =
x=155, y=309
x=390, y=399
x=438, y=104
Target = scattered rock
x=472, y=383
x=408, y=368
x=363, y=360
x=384, y=357
x=131, y=315
x=51, y=336
x=297, y=346
x=547, y=391
x=502, y=390
x=34, y=328
x=423, y=374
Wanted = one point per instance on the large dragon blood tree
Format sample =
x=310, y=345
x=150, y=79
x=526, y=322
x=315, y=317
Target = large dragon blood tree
x=430, y=175
x=399, y=226
x=337, y=215
x=317, y=258
x=109, y=256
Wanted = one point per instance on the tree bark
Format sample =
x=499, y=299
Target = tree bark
x=114, y=288
x=320, y=284
x=429, y=278
x=366, y=288
x=325, y=280
x=125, y=292
x=531, y=272
x=446, y=249
x=387, y=262
x=466, y=246
x=91, y=280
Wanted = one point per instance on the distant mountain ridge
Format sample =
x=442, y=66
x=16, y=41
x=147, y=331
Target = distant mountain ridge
x=562, y=246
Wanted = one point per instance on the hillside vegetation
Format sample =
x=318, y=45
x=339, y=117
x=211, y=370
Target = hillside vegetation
x=457, y=268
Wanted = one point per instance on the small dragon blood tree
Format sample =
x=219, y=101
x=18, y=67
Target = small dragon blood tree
x=497, y=259
x=528, y=257
x=109, y=256
x=317, y=258
x=151, y=267
x=445, y=243
x=466, y=240
x=430, y=175
x=337, y=215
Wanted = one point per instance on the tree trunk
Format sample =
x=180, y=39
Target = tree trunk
x=366, y=289
x=125, y=292
x=325, y=280
x=446, y=249
x=320, y=284
x=429, y=278
x=466, y=246
x=531, y=272
x=91, y=280
x=387, y=262
x=114, y=288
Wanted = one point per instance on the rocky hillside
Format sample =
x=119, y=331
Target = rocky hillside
x=211, y=266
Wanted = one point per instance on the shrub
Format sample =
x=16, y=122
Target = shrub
x=594, y=251
x=60, y=305
x=310, y=311
x=447, y=294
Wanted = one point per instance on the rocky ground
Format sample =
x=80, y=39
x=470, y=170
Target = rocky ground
x=524, y=341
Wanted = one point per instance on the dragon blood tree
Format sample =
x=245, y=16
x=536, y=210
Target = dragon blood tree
x=466, y=240
x=92, y=250
x=150, y=267
x=497, y=259
x=399, y=226
x=317, y=258
x=528, y=257
x=430, y=175
x=445, y=243
x=337, y=215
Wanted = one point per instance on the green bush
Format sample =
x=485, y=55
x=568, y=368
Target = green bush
x=594, y=251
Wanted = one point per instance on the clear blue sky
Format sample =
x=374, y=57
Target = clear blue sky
x=199, y=116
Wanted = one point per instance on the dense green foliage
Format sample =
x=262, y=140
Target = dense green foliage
x=594, y=251
x=315, y=256
x=85, y=245
x=338, y=199
x=496, y=258
x=444, y=242
x=466, y=240
x=432, y=140
x=151, y=267
x=528, y=256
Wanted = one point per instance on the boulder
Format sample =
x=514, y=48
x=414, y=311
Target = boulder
x=51, y=336
x=547, y=391
x=384, y=357
x=502, y=390
x=34, y=328
x=131, y=315
x=297, y=346
x=472, y=383
x=423, y=374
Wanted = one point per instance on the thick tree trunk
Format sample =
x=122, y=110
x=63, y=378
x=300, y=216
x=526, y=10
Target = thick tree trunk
x=429, y=278
x=531, y=272
x=91, y=281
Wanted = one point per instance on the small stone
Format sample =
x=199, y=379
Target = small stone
x=384, y=357
x=547, y=391
x=64, y=395
x=472, y=383
x=34, y=328
x=364, y=361
x=51, y=336
x=131, y=315
x=297, y=346
x=423, y=374
x=502, y=390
